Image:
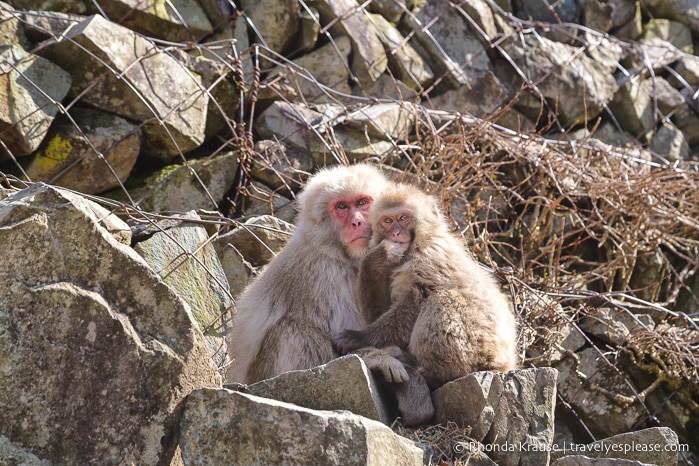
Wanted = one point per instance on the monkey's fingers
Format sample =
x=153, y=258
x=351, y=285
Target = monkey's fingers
x=395, y=372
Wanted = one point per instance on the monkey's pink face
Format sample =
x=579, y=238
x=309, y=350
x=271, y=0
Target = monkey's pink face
x=396, y=227
x=352, y=214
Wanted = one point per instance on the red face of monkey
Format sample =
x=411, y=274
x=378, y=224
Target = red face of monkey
x=352, y=214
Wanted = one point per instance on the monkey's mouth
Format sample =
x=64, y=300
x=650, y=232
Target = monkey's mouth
x=363, y=238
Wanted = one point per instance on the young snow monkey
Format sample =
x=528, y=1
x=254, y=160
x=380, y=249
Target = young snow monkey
x=423, y=292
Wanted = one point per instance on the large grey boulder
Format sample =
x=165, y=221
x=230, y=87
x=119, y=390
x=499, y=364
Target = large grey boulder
x=342, y=384
x=96, y=352
x=560, y=71
x=227, y=427
x=503, y=410
x=114, y=67
x=186, y=260
x=28, y=84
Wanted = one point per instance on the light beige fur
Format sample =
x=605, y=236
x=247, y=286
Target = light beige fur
x=287, y=318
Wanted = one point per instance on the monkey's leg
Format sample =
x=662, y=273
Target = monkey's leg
x=290, y=344
x=414, y=399
x=405, y=382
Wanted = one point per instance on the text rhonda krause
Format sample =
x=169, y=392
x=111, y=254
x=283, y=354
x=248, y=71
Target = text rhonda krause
x=606, y=448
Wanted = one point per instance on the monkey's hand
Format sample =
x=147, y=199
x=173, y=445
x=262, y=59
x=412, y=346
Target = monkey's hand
x=349, y=340
x=391, y=368
x=394, y=251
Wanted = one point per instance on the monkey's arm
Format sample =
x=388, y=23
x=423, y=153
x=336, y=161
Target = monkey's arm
x=372, y=287
x=391, y=328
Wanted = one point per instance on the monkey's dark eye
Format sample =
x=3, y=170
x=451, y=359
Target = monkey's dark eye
x=403, y=218
x=362, y=202
x=341, y=205
x=387, y=220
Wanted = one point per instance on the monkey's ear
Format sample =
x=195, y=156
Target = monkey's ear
x=435, y=207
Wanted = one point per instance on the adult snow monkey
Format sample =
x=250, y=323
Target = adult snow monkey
x=288, y=317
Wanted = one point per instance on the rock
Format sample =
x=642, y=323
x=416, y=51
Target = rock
x=403, y=60
x=225, y=97
x=668, y=98
x=483, y=96
x=175, y=21
x=559, y=71
x=93, y=153
x=656, y=445
x=512, y=409
x=227, y=427
x=668, y=144
x=187, y=262
x=345, y=19
x=451, y=47
x=580, y=460
x=682, y=11
x=316, y=131
x=392, y=10
x=600, y=413
x=687, y=69
x=258, y=239
x=11, y=28
x=389, y=121
x=96, y=350
x=309, y=29
x=238, y=271
x=277, y=20
x=615, y=326
x=655, y=53
x=673, y=32
x=11, y=455
x=281, y=166
x=327, y=66
x=342, y=384
x=28, y=85
x=633, y=107
x=388, y=87
x=565, y=11
x=260, y=200
x=179, y=188
x=686, y=120
x=598, y=15
x=46, y=24
x=100, y=57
